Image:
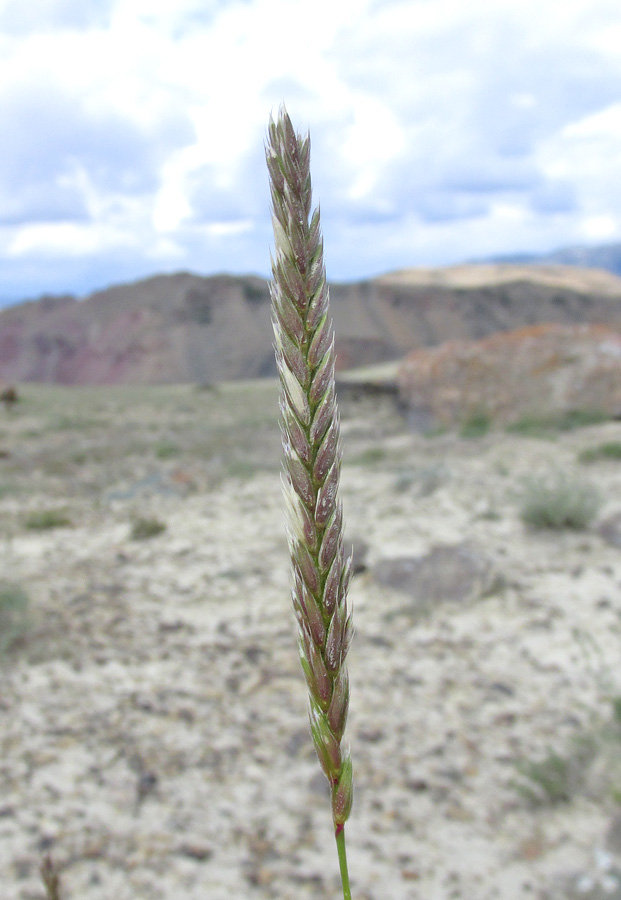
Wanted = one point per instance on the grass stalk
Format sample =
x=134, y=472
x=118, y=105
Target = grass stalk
x=50, y=879
x=304, y=345
x=342, y=852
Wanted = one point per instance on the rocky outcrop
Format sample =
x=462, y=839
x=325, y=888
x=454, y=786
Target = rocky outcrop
x=539, y=371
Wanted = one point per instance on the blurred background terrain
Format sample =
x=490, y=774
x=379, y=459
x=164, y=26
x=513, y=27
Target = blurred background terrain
x=153, y=734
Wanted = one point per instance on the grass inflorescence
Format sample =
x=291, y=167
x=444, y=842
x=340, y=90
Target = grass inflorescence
x=304, y=345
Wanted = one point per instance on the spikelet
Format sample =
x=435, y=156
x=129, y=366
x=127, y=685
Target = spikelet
x=304, y=346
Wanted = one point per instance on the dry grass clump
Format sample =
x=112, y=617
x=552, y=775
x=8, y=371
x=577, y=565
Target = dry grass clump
x=556, y=777
x=46, y=519
x=610, y=450
x=548, y=426
x=14, y=618
x=559, y=501
x=476, y=425
x=369, y=457
x=145, y=528
x=166, y=450
x=304, y=346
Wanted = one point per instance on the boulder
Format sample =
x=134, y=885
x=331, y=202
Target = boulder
x=453, y=573
x=610, y=530
x=540, y=371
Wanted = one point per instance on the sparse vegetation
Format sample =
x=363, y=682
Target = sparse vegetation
x=545, y=781
x=369, y=457
x=611, y=450
x=74, y=423
x=589, y=762
x=255, y=293
x=145, y=528
x=46, y=519
x=532, y=426
x=475, y=426
x=559, y=501
x=166, y=450
x=435, y=431
x=548, y=426
x=556, y=777
x=14, y=619
x=580, y=418
x=9, y=397
x=240, y=468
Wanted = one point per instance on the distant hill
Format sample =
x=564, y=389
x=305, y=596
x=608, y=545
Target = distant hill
x=187, y=328
x=604, y=256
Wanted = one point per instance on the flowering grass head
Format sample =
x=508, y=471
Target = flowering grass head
x=304, y=345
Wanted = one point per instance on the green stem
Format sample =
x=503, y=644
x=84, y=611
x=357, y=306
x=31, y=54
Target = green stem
x=342, y=851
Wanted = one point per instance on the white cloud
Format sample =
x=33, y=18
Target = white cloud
x=440, y=129
x=587, y=155
x=66, y=239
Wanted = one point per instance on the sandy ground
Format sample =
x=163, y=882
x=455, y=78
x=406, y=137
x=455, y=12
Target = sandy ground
x=153, y=729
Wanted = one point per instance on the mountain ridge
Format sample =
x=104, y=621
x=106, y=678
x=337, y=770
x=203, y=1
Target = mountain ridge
x=183, y=327
x=599, y=256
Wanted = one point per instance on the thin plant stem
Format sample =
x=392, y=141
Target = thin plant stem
x=342, y=852
x=51, y=879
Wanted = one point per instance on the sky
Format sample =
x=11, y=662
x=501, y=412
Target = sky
x=132, y=133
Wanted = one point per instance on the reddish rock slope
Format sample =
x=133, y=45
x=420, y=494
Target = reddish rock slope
x=540, y=370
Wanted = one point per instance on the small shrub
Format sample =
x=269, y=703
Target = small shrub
x=435, y=431
x=545, y=426
x=580, y=418
x=545, y=781
x=477, y=425
x=166, y=450
x=531, y=426
x=559, y=502
x=143, y=529
x=13, y=614
x=558, y=777
x=48, y=518
x=241, y=469
x=255, y=293
x=369, y=457
x=610, y=450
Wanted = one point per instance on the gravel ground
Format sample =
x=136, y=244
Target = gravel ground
x=153, y=729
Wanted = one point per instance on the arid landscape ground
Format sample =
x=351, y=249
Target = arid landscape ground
x=153, y=725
